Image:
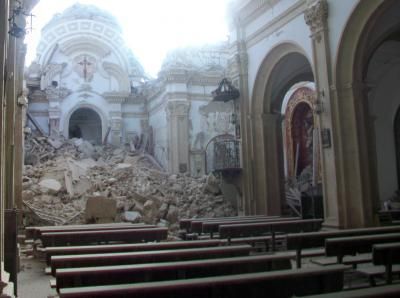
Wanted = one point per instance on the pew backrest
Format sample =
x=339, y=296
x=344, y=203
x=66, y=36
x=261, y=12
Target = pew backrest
x=342, y=246
x=131, y=247
x=108, y=259
x=283, y=283
x=88, y=237
x=256, y=229
x=73, y=277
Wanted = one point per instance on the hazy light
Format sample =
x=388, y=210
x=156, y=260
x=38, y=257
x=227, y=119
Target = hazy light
x=150, y=27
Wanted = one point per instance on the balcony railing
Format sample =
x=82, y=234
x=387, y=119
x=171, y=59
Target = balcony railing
x=223, y=154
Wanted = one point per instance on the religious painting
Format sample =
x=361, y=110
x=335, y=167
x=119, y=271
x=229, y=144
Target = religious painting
x=85, y=66
x=302, y=134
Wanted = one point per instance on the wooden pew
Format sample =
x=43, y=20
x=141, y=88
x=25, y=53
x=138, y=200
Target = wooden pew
x=88, y=237
x=300, y=241
x=38, y=233
x=108, y=275
x=211, y=227
x=185, y=223
x=31, y=230
x=110, y=248
x=256, y=229
x=122, y=258
x=377, y=292
x=343, y=246
x=387, y=255
x=389, y=217
x=197, y=225
x=279, y=284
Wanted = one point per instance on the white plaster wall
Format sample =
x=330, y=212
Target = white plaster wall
x=296, y=32
x=384, y=102
x=339, y=13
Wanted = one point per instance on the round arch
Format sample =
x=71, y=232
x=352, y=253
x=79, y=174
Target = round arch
x=68, y=115
x=272, y=82
x=357, y=190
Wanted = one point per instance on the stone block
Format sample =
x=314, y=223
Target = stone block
x=100, y=209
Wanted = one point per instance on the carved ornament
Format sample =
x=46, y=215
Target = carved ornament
x=316, y=17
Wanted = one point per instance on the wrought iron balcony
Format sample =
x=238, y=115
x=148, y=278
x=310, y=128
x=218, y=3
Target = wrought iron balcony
x=223, y=155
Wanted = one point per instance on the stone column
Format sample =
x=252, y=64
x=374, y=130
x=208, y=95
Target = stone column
x=178, y=136
x=239, y=75
x=316, y=18
x=55, y=96
x=115, y=100
x=116, y=128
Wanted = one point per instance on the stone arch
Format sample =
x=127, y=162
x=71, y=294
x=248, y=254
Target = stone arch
x=352, y=127
x=272, y=82
x=67, y=118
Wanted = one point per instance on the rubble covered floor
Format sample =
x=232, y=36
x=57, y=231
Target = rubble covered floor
x=60, y=176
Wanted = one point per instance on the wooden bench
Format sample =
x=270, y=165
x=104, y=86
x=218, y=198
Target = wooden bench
x=88, y=237
x=377, y=292
x=343, y=246
x=256, y=229
x=38, y=232
x=389, y=217
x=185, y=223
x=123, y=258
x=197, y=225
x=211, y=227
x=279, y=284
x=300, y=241
x=108, y=275
x=387, y=255
x=31, y=230
x=110, y=248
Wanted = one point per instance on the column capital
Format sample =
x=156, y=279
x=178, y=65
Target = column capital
x=316, y=17
x=178, y=108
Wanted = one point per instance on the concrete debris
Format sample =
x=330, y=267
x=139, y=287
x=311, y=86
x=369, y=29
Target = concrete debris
x=71, y=182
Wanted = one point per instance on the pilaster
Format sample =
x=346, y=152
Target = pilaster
x=316, y=18
x=178, y=136
x=239, y=74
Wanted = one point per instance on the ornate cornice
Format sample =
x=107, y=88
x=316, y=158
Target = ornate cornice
x=115, y=97
x=57, y=94
x=37, y=96
x=316, y=17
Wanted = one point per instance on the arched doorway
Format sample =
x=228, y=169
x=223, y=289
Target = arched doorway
x=285, y=66
x=85, y=123
x=366, y=85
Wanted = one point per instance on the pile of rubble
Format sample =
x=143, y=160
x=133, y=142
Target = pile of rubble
x=60, y=176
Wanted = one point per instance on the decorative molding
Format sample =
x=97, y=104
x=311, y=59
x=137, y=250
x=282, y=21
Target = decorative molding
x=118, y=73
x=275, y=24
x=178, y=108
x=39, y=113
x=57, y=94
x=115, y=114
x=316, y=18
x=253, y=10
x=115, y=97
x=134, y=115
x=37, y=96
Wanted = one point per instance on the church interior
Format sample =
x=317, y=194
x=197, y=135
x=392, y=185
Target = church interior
x=265, y=164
